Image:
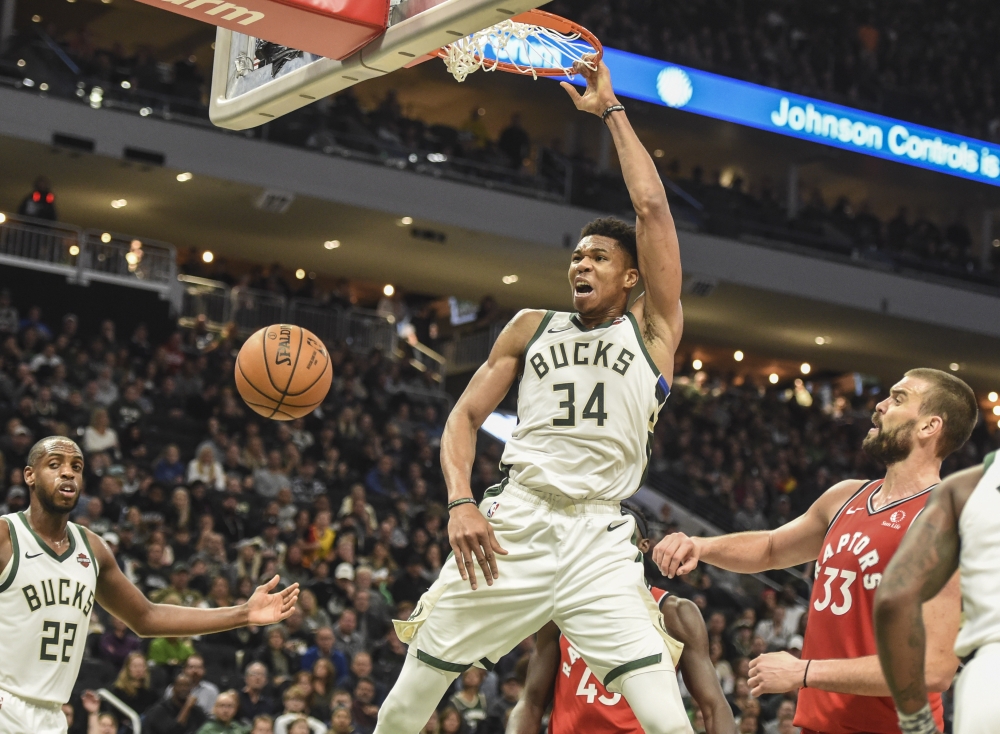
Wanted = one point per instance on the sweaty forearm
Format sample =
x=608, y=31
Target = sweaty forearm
x=167, y=620
x=739, y=552
x=458, y=452
x=901, y=637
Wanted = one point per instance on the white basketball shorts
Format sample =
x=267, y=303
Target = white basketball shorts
x=569, y=561
x=977, y=706
x=20, y=716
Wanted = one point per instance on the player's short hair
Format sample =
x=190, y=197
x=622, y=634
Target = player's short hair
x=954, y=401
x=620, y=231
x=41, y=447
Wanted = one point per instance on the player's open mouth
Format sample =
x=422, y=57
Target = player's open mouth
x=582, y=288
x=67, y=489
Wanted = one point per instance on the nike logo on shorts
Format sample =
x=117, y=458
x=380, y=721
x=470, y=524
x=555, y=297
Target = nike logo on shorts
x=28, y=555
x=612, y=526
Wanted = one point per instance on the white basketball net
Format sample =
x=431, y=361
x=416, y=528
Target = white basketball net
x=525, y=46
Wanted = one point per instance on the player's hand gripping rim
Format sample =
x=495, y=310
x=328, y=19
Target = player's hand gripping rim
x=676, y=555
x=473, y=541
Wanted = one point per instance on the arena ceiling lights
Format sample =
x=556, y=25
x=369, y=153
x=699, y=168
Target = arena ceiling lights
x=722, y=98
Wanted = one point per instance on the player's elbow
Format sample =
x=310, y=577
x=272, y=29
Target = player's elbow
x=650, y=203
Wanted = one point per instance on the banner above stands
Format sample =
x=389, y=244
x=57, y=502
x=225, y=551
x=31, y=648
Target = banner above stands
x=331, y=28
x=723, y=98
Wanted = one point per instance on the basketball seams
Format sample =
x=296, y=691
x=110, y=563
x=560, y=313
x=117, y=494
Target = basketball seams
x=312, y=384
x=247, y=381
x=291, y=374
x=263, y=351
x=268, y=407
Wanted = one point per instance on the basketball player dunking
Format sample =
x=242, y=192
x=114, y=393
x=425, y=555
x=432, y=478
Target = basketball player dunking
x=852, y=532
x=958, y=530
x=550, y=540
x=52, y=572
x=580, y=703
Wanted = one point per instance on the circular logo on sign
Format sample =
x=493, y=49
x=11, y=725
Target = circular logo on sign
x=674, y=87
x=897, y=516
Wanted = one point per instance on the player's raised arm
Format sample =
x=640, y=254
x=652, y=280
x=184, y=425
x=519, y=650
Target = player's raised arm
x=927, y=558
x=120, y=597
x=539, y=686
x=656, y=236
x=471, y=537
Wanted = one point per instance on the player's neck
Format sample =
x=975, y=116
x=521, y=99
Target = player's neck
x=603, y=316
x=48, y=526
x=906, y=478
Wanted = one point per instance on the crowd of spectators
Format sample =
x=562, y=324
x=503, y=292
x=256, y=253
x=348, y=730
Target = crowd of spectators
x=928, y=63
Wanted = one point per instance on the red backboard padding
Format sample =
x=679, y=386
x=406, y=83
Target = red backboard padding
x=331, y=28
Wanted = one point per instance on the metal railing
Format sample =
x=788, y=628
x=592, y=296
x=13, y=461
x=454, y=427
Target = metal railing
x=467, y=351
x=85, y=255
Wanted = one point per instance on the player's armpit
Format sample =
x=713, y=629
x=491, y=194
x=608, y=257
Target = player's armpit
x=543, y=666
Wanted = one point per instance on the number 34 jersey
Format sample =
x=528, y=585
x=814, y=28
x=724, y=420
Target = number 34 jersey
x=586, y=408
x=858, y=546
x=45, y=604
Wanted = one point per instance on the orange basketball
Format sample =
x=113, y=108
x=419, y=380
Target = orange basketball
x=283, y=372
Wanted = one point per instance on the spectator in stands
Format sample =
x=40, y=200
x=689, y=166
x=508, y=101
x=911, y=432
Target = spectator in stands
x=204, y=692
x=9, y=318
x=132, y=685
x=97, y=722
x=170, y=470
x=117, y=643
x=295, y=701
x=341, y=722
x=365, y=709
x=40, y=203
x=514, y=142
x=270, y=480
x=178, y=712
x=255, y=698
x=469, y=701
x=452, y=721
x=224, y=716
x=170, y=652
x=325, y=649
x=99, y=436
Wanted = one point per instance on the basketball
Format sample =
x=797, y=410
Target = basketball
x=283, y=372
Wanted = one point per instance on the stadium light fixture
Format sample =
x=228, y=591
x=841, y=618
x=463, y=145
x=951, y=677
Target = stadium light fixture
x=773, y=378
x=996, y=410
x=954, y=366
x=738, y=355
x=388, y=290
x=106, y=237
x=509, y=279
x=405, y=221
x=119, y=203
x=806, y=368
x=186, y=176
x=697, y=364
x=74, y=250
x=331, y=244
x=3, y=218
x=821, y=340
x=300, y=274
x=207, y=256
x=992, y=396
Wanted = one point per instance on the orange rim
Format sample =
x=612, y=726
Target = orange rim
x=545, y=20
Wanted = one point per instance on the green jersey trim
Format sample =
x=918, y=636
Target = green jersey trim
x=642, y=345
x=575, y=320
x=539, y=331
x=90, y=551
x=44, y=546
x=15, y=559
x=634, y=665
x=988, y=461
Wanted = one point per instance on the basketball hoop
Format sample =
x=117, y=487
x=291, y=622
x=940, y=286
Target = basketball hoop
x=535, y=43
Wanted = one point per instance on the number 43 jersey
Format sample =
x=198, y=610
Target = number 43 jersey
x=858, y=546
x=586, y=408
x=45, y=604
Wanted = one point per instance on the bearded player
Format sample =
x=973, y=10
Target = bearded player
x=550, y=540
x=852, y=532
x=51, y=573
x=959, y=530
x=580, y=703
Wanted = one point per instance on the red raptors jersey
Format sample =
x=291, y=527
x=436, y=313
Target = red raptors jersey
x=858, y=546
x=582, y=703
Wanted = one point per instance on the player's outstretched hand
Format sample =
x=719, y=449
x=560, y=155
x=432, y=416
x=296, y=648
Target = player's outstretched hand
x=91, y=702
x=266, y=608
x=599, y=94
x=776, y=672
x=676, y=555
x=472, y=539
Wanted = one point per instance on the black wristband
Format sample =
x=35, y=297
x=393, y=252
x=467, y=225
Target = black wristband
x=805, y=674
x=463, y=501
x=612, y=108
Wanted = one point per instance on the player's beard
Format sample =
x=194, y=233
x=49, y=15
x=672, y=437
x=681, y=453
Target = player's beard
x=890, y=446
x=51, y=507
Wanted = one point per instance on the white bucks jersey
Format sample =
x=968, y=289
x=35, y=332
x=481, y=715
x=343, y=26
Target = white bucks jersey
x=979, y=530
x=586, y=407
x=45, y=603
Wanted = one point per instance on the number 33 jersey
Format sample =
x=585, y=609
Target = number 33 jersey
x=586, y=408
x=858, y=546
x=45, y=604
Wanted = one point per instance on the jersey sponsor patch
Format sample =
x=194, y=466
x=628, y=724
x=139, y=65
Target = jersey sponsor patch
x=493, y=509
x=83, y=559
